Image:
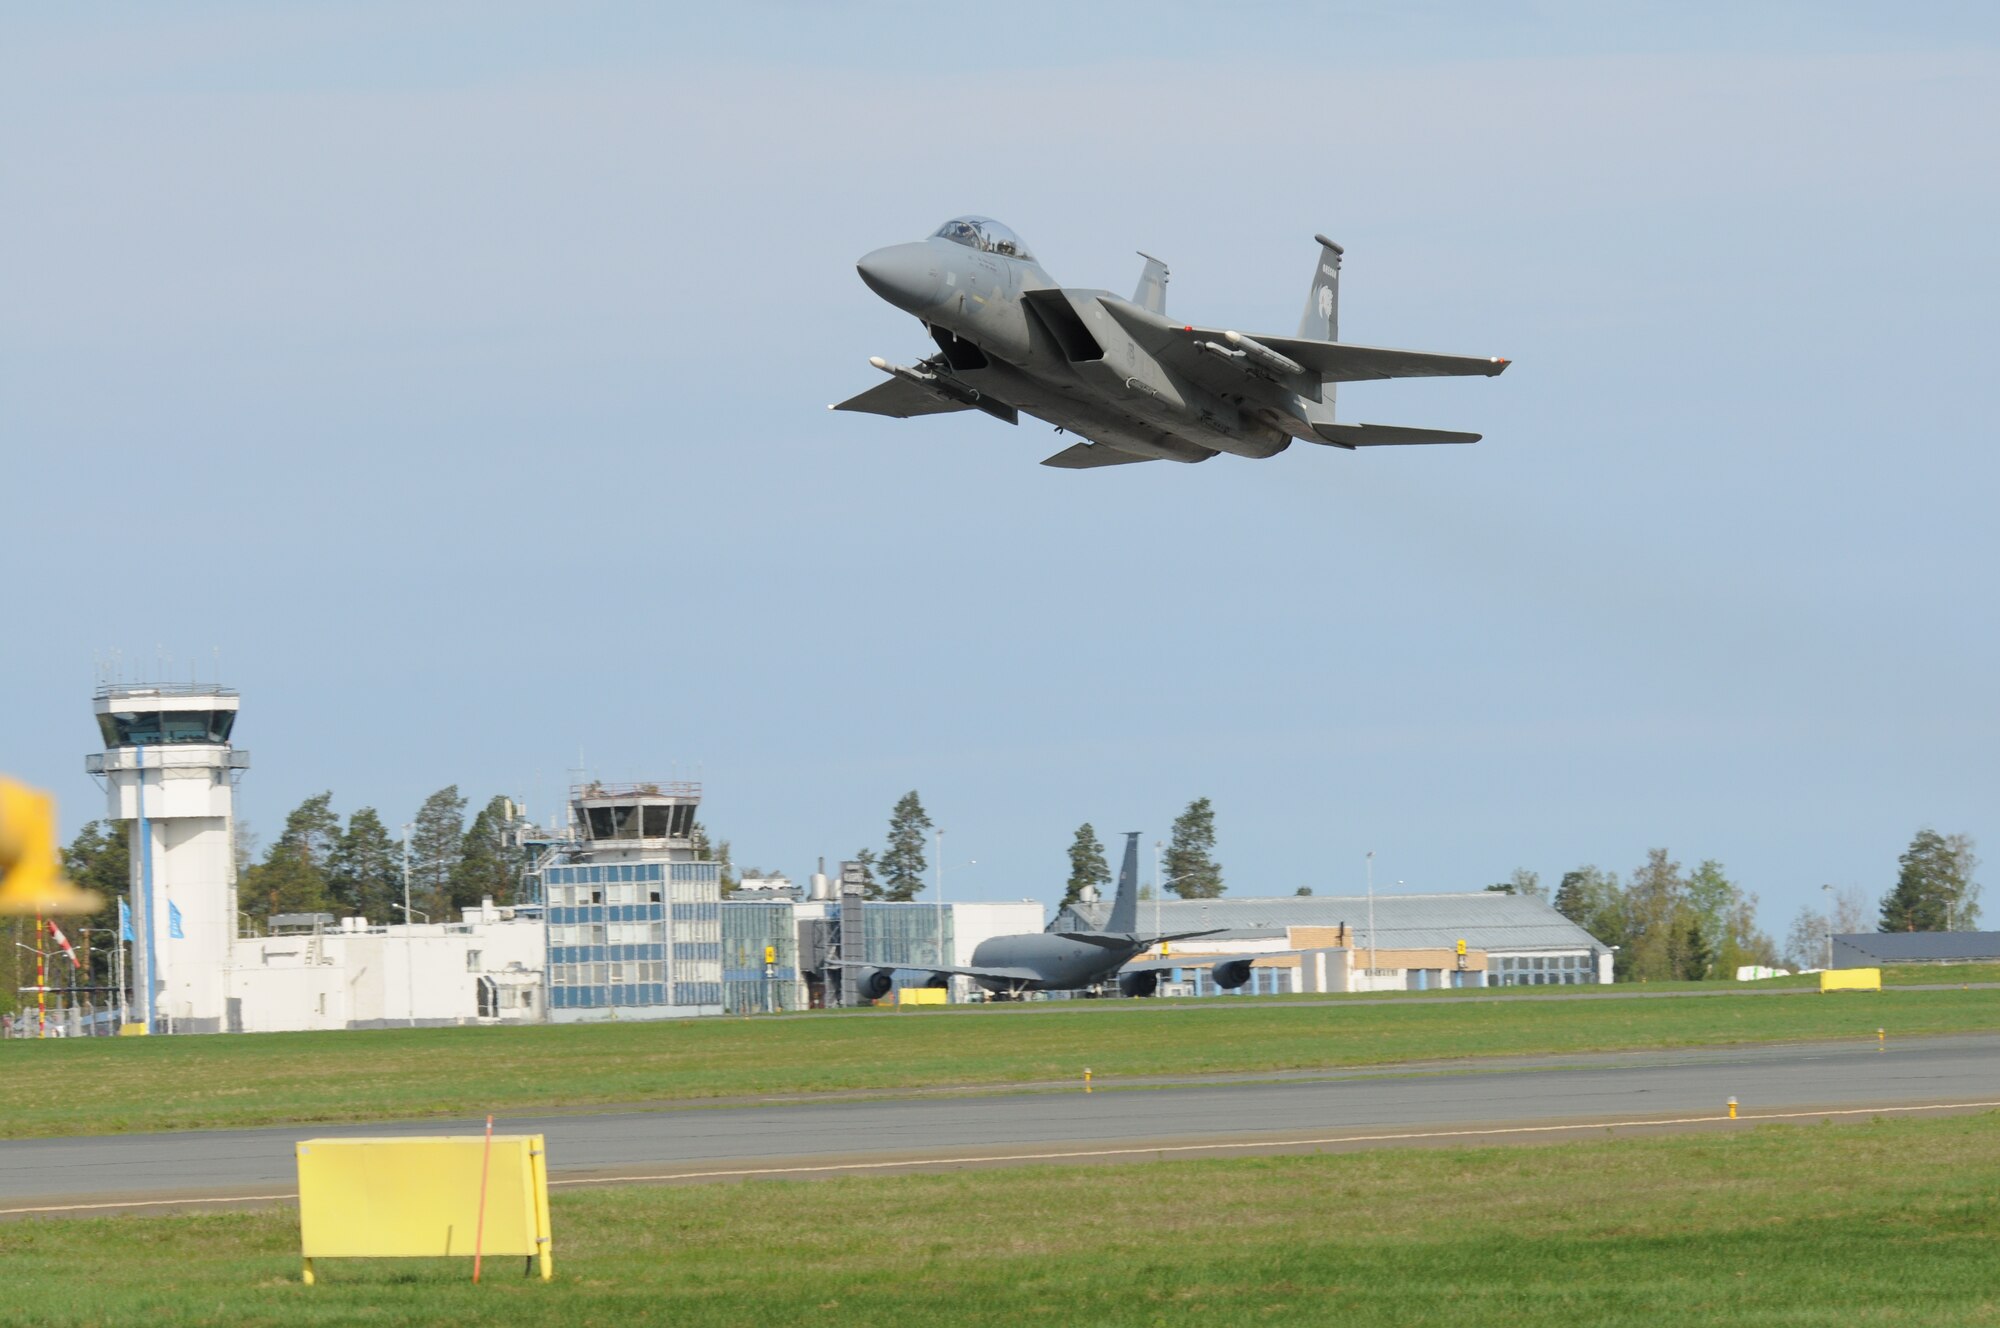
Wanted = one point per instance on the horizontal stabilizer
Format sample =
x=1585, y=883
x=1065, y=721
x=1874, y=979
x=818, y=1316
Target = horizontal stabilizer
x=1386, y=435
x=900, y=399
x=1085, y=456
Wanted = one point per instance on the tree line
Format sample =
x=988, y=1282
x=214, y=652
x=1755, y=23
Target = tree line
x=1934, y=891
x=1666, y=924
x=1190, y=867
x=320, y=864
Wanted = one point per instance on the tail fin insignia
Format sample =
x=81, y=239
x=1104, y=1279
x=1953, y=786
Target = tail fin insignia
x=1321, y=320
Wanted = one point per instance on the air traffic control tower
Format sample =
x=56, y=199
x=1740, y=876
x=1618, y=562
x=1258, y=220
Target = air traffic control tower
x=169, y=773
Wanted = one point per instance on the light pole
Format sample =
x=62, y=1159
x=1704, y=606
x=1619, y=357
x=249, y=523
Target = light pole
x=410, y=916
x=1829, y=924
x=942, y=957
x=407, y=827
x=1371, y=916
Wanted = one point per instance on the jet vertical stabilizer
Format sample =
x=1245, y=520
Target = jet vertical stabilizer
x=1125, y=904
x=1152, y=292
x=1321, y=320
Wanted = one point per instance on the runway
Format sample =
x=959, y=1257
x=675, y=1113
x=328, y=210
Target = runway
x=1525, y=1099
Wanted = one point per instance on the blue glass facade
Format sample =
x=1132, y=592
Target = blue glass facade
x=747, y=928
x=633, y=935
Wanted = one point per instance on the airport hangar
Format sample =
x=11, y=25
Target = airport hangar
x=1418, y=942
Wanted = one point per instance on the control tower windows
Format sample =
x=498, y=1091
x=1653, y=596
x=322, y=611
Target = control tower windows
x=148, y=728
x=638, y=820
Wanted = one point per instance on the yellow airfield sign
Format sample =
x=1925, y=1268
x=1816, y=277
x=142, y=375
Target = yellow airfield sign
x=424, y=1198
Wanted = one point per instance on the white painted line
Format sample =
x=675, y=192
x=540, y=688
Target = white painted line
x=146, y=1203
x=1261, y=1143
x=1220, y=1146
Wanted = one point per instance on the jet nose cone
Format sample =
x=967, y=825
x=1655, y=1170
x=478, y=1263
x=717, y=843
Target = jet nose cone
x=905, y=275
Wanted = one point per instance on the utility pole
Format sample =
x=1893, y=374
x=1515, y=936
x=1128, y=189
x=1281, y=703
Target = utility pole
x=1159, y=887
x=1371, y=915
x=410, y=931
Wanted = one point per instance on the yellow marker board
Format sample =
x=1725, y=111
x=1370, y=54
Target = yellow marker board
x=420, y=1197
x=921, y=996
x=1850, y=979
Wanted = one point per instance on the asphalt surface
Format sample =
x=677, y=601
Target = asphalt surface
x=1519, y=1099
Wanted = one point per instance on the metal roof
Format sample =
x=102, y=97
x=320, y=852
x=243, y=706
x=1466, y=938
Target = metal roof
x=1868, y=948
x=1486, y=919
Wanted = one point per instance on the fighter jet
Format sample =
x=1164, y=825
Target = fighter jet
x=1009, y=966
x=1135, y=384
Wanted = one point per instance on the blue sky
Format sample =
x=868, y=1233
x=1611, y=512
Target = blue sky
x=457, y=375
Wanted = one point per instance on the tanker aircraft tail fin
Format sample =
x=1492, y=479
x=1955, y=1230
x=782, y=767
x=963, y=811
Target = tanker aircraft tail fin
x=1125, y=904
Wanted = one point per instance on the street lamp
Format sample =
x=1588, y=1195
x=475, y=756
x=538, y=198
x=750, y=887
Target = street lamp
x=1160, y=887
x=969, y=862
x=410, y=955
x=408, y=826
x=1829, y=925
x=1371, y=917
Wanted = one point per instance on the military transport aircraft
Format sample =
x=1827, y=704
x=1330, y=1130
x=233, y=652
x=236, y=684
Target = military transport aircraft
x=1135, y=384
x=1072, y=960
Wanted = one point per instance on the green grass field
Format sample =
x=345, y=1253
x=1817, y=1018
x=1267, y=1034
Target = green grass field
x=90, y=1086
x=1892, y=1222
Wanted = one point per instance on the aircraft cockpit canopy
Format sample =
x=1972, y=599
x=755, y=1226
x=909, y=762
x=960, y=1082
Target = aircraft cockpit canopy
x=984, y=234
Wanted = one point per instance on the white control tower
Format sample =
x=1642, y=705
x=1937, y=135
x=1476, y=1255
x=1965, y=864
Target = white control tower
x=169, y=772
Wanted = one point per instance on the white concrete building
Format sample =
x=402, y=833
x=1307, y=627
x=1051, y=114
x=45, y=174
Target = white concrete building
x=344, y=973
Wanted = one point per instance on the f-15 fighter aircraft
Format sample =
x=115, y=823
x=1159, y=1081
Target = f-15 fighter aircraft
x=1137, y=385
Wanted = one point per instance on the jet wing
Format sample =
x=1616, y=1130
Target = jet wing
x=900, y=399
x=1352, y=436
x=997, y=974
x=1085, y=456
x=1340, y=362
x=1198, y=961
x=1200, y=351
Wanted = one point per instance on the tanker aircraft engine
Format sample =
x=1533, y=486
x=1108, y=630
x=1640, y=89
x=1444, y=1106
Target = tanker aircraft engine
x=1119, y=374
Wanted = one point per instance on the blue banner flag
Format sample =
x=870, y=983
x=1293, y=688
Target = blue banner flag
x=174, y=921
x=124, y=922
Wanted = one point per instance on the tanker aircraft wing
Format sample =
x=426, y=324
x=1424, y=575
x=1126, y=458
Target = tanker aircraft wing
x=995, y=973
x=1165, y=962
x=1118, y=940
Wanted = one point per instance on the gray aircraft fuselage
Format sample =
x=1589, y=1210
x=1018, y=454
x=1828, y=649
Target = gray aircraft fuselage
x=1064, y=964
x=1007, y=329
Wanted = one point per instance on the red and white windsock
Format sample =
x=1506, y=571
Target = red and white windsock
x=62, y=940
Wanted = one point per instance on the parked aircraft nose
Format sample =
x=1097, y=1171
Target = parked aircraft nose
x=905, y=275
